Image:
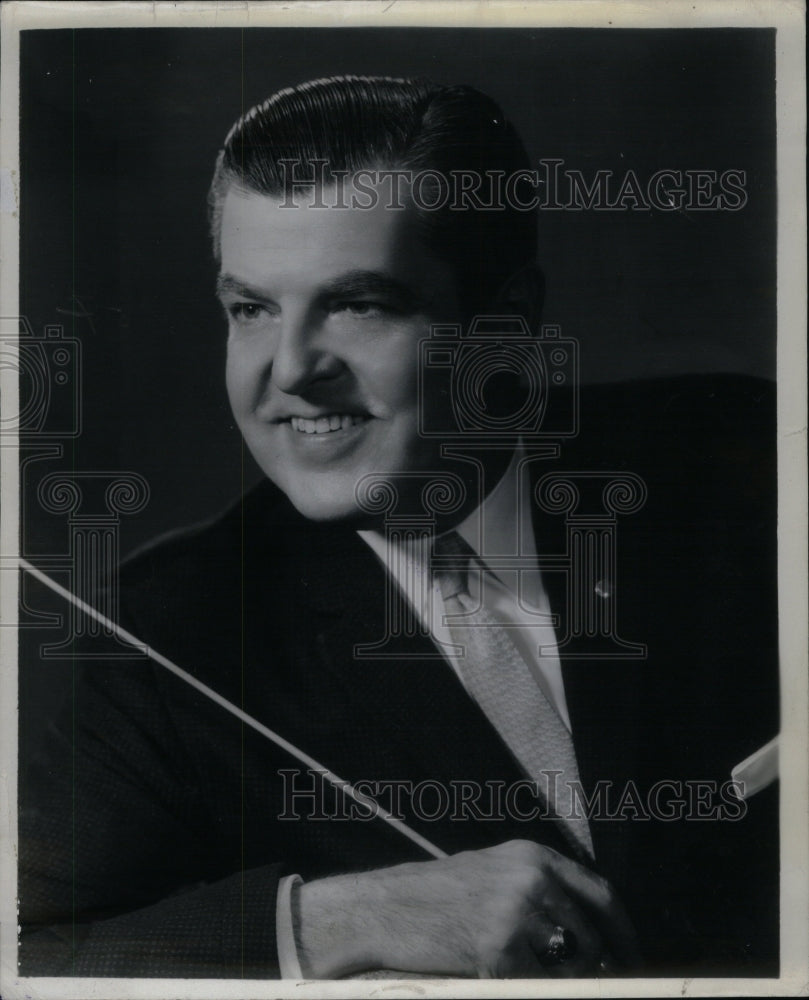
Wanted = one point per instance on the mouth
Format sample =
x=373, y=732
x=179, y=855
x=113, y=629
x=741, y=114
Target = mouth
x=327, y=424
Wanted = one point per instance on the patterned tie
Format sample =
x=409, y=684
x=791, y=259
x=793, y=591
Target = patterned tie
x=499, y=680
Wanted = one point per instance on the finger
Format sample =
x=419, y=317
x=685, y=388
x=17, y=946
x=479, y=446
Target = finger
x=602, y=905
x=517, y=960
x=540, y=930
x=565, y=912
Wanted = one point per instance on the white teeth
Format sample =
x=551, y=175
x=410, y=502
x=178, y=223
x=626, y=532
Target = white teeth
x=325, y=425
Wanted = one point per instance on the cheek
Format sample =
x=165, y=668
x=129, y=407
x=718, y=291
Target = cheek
x=392, y=375
x=242, y=369
x=237, y=383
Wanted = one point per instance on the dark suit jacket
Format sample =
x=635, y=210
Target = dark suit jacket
x=151, y=843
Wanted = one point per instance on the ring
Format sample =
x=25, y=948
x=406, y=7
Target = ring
x=561, y=946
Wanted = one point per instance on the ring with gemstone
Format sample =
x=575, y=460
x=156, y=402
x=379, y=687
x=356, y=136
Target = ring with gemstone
x=561, y=947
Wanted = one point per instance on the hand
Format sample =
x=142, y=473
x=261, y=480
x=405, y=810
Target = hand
x=486, y=913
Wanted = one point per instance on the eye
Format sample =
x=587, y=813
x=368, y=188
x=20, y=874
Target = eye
x=246, y=312
x=363, y=307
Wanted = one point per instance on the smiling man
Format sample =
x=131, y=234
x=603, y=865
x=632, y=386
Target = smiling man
x=581, y=814
x=326, y=309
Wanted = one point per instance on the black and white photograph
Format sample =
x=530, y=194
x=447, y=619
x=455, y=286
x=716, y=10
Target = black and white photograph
x=404, y=499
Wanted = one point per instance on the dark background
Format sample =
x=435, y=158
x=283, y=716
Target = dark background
x=119, y=131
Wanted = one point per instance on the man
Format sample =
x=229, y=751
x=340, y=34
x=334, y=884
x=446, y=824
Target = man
x=200, y=848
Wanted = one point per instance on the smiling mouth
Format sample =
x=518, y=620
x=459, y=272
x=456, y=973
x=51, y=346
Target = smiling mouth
x=327, y=424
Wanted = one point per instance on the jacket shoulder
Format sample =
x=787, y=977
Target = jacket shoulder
x=212, y=545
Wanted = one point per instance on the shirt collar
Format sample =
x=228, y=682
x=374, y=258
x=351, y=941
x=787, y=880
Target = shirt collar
x=500, y=525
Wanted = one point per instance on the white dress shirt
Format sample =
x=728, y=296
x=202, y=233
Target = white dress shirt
x=500, y=525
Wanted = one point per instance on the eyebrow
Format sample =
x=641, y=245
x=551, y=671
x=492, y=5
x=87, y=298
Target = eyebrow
x=354, y=283
x=345, y=286
x=228, y=284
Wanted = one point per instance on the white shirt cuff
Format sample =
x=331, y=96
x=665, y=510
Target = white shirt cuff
x=288, y=962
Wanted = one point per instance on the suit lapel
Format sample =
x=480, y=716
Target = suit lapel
x=603, y=696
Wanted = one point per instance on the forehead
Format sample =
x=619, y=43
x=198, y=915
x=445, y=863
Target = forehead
x=261, y=241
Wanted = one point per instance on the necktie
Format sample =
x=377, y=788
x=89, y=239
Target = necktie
x=498, y=678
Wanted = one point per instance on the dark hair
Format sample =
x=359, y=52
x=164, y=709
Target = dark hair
x=356, y=122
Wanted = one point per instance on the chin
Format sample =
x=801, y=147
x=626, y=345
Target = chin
x=324, y=509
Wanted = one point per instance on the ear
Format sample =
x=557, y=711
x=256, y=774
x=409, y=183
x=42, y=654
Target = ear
x=523, y=294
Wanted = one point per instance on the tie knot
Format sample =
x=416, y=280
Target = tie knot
x=451, y=567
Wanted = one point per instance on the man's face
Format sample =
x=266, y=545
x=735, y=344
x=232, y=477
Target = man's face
x=326, y=308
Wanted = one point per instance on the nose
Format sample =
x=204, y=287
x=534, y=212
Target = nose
x=302, y=356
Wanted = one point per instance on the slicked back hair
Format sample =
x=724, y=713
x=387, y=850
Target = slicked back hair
x=357, y=122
